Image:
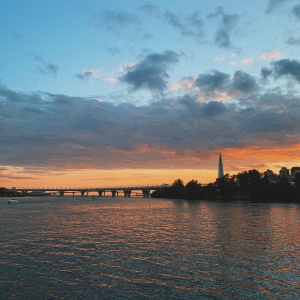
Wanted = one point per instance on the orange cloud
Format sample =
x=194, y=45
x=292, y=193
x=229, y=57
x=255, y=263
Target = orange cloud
x=205, y=163
x=261, y=157
x=246, y=61
x=275, y=54
x=145, y=148
x=185, y=83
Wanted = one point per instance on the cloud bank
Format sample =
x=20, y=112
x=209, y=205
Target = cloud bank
x=43, y=129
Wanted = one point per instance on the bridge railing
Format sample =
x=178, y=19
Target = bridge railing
x=114, y=187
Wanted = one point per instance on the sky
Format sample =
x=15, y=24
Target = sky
x=100, y=93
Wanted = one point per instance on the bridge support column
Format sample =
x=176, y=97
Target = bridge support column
x=113, y=193
x=100, y=193
x=146, y=193
x=127, y=193
x=82, y=193
x=61, y=193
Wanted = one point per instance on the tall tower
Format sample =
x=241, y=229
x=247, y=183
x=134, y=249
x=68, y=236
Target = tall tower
x=220, y=169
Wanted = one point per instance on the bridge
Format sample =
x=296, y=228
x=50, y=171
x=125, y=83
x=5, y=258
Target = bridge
x=142, y=190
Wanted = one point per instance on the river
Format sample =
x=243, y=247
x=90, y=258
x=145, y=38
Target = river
x=135, y=248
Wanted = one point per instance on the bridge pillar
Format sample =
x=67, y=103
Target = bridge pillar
x=100, y=193
x=82, y=193
x=61, y=193
x=127, y=193
x=146, y=193
x=113, y=193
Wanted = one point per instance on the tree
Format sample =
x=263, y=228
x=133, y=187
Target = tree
x=178, y=191
x=297, y=180
x=227, y=187
x=193, y=190
x=3, y=191
x=252, y=184
x=210, y=191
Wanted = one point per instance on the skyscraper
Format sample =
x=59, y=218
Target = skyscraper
x=220, y=169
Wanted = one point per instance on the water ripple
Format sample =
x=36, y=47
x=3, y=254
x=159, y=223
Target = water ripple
x=111, y=248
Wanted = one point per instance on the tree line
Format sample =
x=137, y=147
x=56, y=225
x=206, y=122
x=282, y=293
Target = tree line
x=248, y=185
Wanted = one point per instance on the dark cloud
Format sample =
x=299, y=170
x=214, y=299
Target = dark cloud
x=84, y=76
x=261, y=121
x=266, y=72
x=296, y=11
x=213, y=81
x=243, y=82
x=151, y=73
x=190, y=25
x=222, y=38
x=293, y=41
x=278, y=101
x=287, y=67
x=282, y=68
x=120, y=18
x=150, y=9
x=213, y=108
x=273, y=4
x=228, y=24
x=44, y=67
x=147, y=36
x=116, y=21
x=113, y=50
x=175, y=21
x=218, y=82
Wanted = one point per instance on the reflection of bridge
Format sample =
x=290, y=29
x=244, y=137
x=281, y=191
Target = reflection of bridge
x=143, y=190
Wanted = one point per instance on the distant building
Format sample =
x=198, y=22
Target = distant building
x=294, y=171
x=220, y=168
x=284, y=172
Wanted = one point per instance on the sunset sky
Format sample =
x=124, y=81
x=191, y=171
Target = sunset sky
x=97, y=93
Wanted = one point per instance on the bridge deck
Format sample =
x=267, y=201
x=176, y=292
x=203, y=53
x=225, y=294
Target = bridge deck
x=114, y=190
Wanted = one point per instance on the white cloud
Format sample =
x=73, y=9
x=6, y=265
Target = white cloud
x=126, y=66
x=97, y=74
x=219, y=58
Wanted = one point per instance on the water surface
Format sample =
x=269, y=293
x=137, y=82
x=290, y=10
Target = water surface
x=134, y=248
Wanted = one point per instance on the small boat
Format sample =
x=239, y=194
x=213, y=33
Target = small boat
x=12, y=201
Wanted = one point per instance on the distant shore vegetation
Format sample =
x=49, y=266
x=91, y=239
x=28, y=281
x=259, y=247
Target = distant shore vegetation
x=251, y=186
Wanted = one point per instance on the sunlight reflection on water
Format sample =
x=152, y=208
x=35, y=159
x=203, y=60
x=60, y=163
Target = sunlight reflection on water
x=115, y=248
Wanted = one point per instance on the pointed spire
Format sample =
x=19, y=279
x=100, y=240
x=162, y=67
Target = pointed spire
x=220, y=169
